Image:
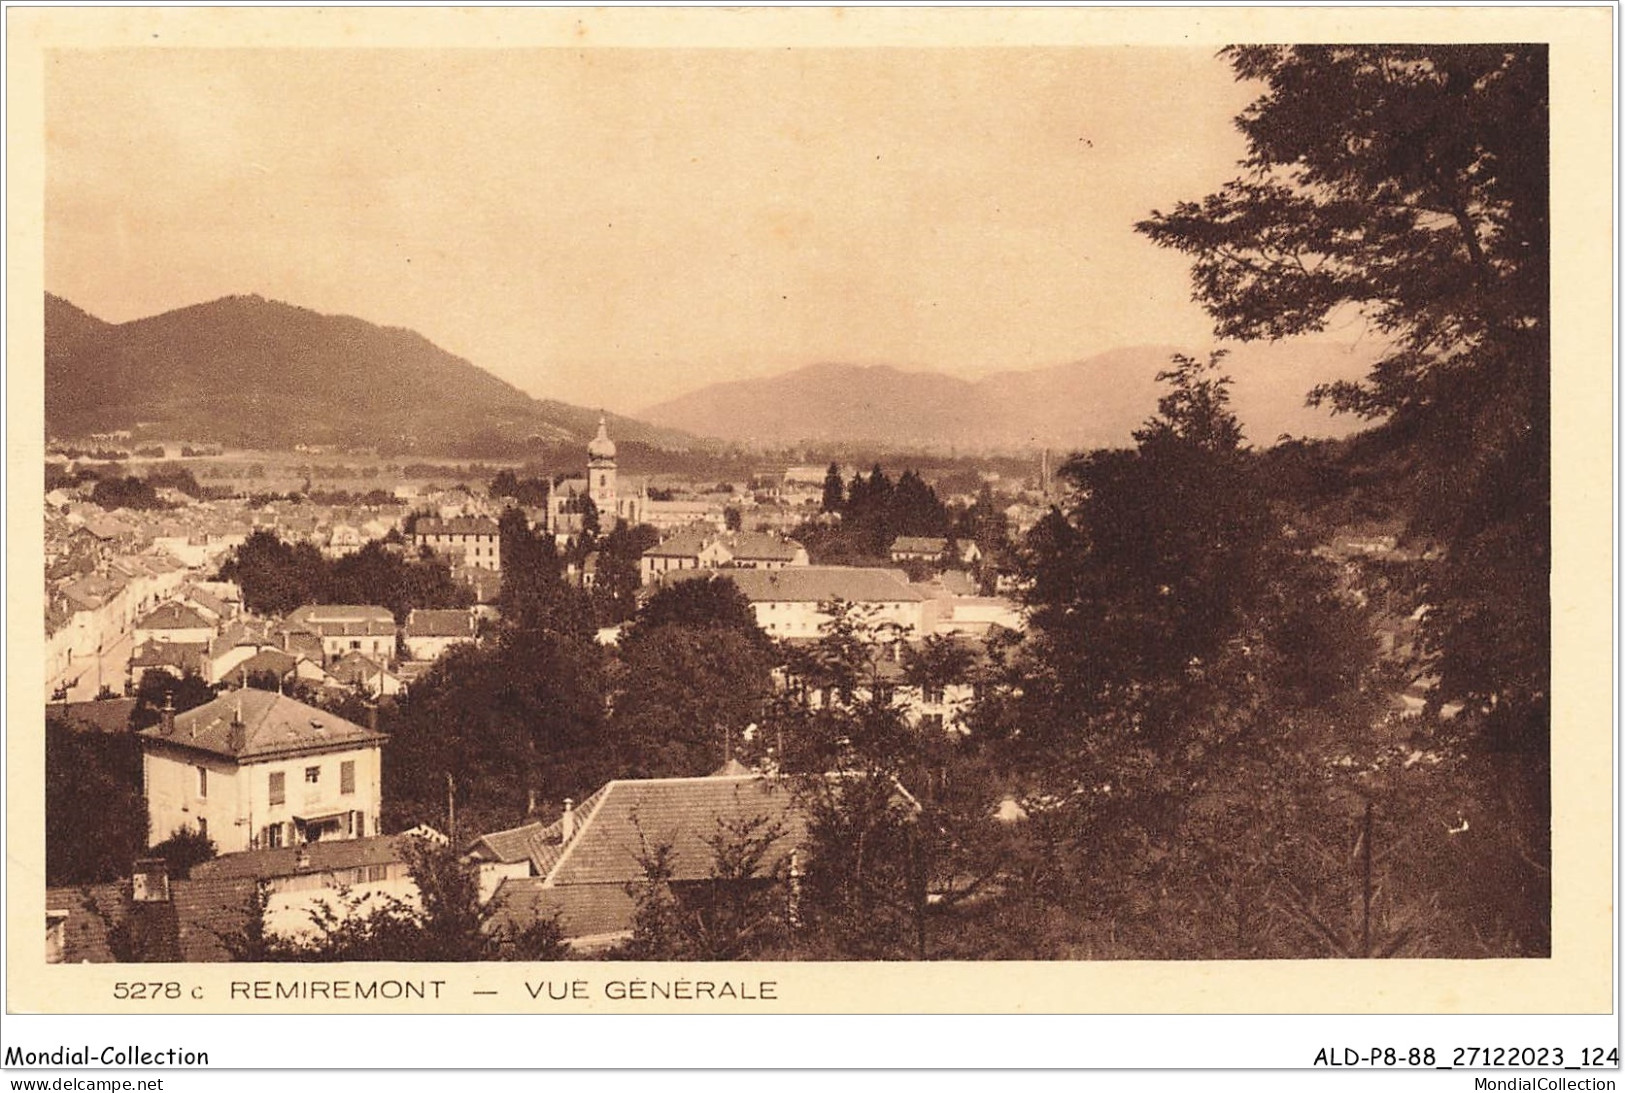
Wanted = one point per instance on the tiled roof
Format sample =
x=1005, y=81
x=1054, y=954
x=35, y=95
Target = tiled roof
x=242, y=632
x=304, y=645
x=266, y=660
x=273, y=725
x=431, y=623
x=758, y=546
x=188, y=656
x=92, y=591
x=173, y=616
x=107, y=528
x=543, y=844
x=188, y=927
x=322, y=856
x=912, y=544
x=815, y=584
x=635, y=817
x=207, y=601
x=584, y=911
x=684, y=544
x=588, y=886
x=512, y=845
x=346, y=620
x=354, y=667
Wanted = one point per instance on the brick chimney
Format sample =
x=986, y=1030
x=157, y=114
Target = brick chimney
x=372, y=715
x=567, y=822
x=166, y=720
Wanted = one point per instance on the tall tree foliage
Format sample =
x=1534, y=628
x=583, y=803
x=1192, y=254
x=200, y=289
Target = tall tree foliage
x=94, y=812
x=691, y=674
x=277, y=577
x=1412, y=183
x=1181, y=642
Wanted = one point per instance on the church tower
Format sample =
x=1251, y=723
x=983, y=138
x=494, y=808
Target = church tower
x=601, y=475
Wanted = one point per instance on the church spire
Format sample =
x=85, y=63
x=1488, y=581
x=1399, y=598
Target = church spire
x=601, y=447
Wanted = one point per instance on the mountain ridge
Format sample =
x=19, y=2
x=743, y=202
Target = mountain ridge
x=1096, y=401
x=248, y=371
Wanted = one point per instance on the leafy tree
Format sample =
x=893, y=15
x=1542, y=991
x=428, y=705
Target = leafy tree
x=506, y=724
x=702, y=603
x=185, y=847
x=1181, y=638
x=683, y=697
x=834, y=490
x=739, y=912
x=620, y=571
x=863, y=894
x=1413, y=183
x=125, y=493
x=95, y=817
x=275, y=576
x=156, y=688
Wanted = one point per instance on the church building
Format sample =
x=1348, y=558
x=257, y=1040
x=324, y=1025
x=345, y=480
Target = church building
x=611, y=499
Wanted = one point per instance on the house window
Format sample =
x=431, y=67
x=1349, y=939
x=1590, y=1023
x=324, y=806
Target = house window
x=360, y=824
x=933, y=695
x=313, y=775
x=203, y=781
x=272, y=838
x=931, y=722
x=278, y=789
x=347, y=776
x=355, y=645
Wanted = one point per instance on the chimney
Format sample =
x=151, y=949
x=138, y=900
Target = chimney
x=567, y=822
x=149, y=881
x=372, y=715
x=167, y=719
x=237, y=733
x=530, y=803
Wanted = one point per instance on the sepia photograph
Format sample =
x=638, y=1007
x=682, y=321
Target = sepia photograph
x=1078, y=504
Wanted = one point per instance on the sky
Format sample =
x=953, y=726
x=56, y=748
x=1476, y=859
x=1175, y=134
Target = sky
x=615, y=227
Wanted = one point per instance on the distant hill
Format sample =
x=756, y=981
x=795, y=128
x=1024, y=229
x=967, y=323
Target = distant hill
x=252, y=372
x=1097, y=402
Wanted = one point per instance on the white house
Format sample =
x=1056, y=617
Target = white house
x=757, y=550
x=298, y=880
x=701, y=547
x=429, y=632
x=255, y=769
x=790, y=602
x=691, y=548
x=474, y=541
x=358, y=670
x=346, y=628
x=174, y=622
